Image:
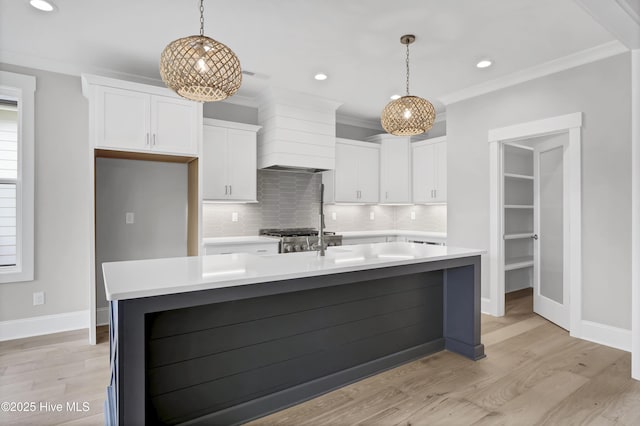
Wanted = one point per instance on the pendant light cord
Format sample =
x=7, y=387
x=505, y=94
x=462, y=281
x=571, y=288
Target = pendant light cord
x=202, y=19
x=407, y=69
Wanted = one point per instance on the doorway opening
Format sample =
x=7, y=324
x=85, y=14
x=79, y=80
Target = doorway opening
x=535, y=217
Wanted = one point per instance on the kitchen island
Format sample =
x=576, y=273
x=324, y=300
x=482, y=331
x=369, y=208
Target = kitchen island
x=227, y=338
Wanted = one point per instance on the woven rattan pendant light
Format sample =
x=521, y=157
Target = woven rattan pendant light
x=200, y=68
x=408, y=115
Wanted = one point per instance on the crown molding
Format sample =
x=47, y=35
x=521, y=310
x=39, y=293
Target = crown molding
x=440, y=116
x=570, y=61
x=618, y=17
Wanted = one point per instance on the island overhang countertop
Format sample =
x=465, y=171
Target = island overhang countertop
x=157, y=277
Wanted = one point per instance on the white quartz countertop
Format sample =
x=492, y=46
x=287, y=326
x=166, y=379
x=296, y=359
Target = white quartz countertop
x=155, y=277
x=398, y=232
x=239, y=240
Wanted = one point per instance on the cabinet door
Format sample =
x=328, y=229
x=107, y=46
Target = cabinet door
x=368, y=163
x=241, y=164
x=174, y=125
x=122, y=119
x=395, y=171
x=440, y=194
x=346, y=173
x=214, y=163
x=423, y=174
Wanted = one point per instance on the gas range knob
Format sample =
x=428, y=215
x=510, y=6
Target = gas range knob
x=288, y=248
x=297, y=247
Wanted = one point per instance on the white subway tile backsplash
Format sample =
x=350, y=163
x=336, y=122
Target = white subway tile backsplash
x=291, y=200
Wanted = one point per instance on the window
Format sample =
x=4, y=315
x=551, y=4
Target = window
x=8, y=181
x=16, y=176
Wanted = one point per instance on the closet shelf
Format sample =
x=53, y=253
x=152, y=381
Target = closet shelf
x=518, y=206
x=518, y=263
x=518, y=176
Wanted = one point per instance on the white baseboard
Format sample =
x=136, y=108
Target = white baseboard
x=607, y=335
x=102, y=316
x=45, y=324
x=485, y=306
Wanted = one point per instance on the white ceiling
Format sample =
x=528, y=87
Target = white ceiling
x=355, y=42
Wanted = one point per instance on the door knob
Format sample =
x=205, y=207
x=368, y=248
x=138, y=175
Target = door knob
x=534, y=236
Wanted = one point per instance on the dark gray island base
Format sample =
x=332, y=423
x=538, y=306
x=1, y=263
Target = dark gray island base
x=229, y=355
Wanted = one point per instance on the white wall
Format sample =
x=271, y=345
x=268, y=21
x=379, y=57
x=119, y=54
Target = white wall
x=61, y=201
x=157, y=195
x=601, y=90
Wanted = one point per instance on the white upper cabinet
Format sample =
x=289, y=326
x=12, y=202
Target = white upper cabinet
x=395, y=168
x=229, y=170
x=357, y=173
x=174, y=125
x=430, y=171
x=136, y=117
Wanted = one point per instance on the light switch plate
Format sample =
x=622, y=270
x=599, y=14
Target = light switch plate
x=372, y=215
x=234, y=217
x=334, y=215
x=38, y=298
x=129, y=218
x=413, y=215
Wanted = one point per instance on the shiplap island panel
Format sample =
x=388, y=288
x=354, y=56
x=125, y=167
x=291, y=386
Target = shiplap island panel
x=224, y=339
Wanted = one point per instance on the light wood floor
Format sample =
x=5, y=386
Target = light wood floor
x=534, y=373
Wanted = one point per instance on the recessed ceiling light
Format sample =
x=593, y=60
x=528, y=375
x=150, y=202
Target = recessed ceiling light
x=485, y=63
x=44, y=5
x=320, y=76
x=394, y=97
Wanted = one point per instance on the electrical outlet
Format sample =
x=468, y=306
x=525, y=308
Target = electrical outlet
x=334, y=215
x=129, y=218
x=38, y=298
x=234, y=217
x=372, y=215
x=413, y=215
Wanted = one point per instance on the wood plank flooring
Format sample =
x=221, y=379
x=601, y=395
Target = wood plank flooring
x=534, y=373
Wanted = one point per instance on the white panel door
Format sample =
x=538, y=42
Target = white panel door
x=214, y=163
x=346, y=173
x=122, y=119
x=174, y=125
x=551, y=229
x=241, y=165
x=368, y=164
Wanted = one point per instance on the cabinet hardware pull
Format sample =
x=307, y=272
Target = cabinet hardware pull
x=386, y=194
x=534, y=236
x=147, y=138
x=230, y=189
x=154, y=139
x=435, y=193
x=226, y=190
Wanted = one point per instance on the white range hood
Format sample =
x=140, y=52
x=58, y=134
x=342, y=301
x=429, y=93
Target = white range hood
x=298, y=131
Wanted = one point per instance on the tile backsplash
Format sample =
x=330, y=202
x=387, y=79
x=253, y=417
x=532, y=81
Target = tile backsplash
x=291, y=200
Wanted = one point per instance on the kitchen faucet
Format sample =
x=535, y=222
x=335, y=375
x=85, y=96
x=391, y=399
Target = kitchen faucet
x=321, y=231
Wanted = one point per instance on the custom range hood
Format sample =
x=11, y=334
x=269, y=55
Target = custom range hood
x=298, y=131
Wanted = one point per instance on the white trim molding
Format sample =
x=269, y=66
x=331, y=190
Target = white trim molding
x=45, y=324
x=571, y=124
x=102, y=316
x=567, y=62
x=618, y=17
x=607, y=335
x=635, y=213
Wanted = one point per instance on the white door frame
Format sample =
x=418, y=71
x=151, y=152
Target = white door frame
x=570, y=123
x=635, y=214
